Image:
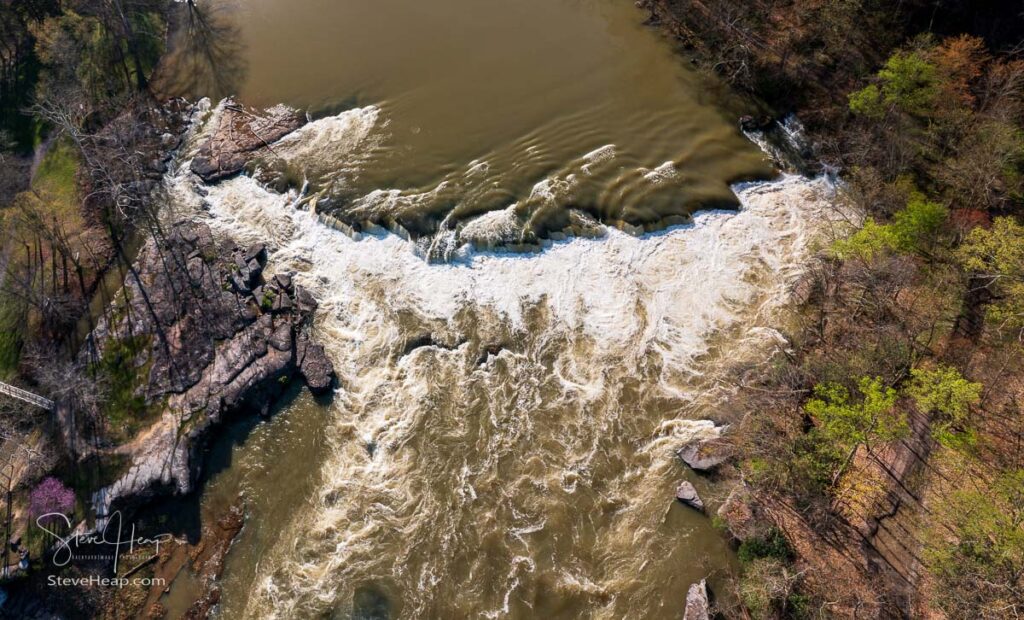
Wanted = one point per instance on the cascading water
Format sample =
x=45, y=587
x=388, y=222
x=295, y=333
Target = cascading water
x=501, y=443
x=517, y=357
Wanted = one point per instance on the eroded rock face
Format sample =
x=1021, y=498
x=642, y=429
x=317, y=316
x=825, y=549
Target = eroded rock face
x=211, y=335
x=697, y=605
x=240, y=134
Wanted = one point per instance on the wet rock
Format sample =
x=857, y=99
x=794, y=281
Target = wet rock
x=282, y=303
x=804, y=289
x=704, y=453
x=240, y=134
x=282, y=339
x=697, y=605
x=304, y=301
x=687, y=494
x=750, y=123
x=283, y=281
x=256, y=253
x=255, y=269
x=314, y=365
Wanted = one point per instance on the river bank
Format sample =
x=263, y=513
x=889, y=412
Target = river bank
x=421, y=329
x=881, y=534
x=534, y=405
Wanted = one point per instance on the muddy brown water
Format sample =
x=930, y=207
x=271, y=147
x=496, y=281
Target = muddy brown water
x=490, y=105
x=501, y=442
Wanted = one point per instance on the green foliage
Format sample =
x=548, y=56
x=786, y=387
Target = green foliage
x=767, y=590
x=74, y=49
x=907, y=82
x=867, y=102
x=980, y=569
x=82, y=51
x=913, y=229
x=11, y=332
x=871, y=240
x=719, y=523
x=945, y=394
x=996, y=255
x=56, y=174
x=847, y=422
x=808, y=464
x=125, y=405
x=771, y=545
x=267, y=302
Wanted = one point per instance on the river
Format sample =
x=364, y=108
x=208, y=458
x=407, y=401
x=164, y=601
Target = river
x=501, y=441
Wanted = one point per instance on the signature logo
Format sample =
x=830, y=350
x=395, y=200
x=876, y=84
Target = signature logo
x=111, y=536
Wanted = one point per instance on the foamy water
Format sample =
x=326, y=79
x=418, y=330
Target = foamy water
x=520, y=461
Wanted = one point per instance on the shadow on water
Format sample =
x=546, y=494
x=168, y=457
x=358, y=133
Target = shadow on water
x=371, y=603
x=183, y=515
x=206, y=54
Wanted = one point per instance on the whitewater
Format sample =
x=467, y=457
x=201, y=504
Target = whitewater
x=503, y=431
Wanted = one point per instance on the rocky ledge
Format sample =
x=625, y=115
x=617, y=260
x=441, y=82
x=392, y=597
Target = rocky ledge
x=239, y=134
x=203, y=332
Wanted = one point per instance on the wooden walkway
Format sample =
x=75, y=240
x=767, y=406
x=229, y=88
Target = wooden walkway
x=26, y=396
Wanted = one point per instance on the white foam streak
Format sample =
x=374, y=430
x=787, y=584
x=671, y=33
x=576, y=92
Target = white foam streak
x=598, y=312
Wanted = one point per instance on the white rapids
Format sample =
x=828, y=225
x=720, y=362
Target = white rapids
x=502, y=438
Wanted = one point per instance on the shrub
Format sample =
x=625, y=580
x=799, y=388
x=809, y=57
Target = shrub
x=50, y=498
x=772, y=545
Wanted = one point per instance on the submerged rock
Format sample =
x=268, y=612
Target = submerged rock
x=687, y=494
x=239, y=135
x=697, y=605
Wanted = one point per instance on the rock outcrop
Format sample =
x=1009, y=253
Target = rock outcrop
x=687, y=494
x=239, y=134
x=207, y=333
x=697, y=605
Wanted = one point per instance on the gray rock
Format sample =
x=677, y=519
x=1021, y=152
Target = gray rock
x=283, y=281
x=737, y=513
x=208, y=350
x=304, y=301
x=314, y=365
x=282, y=303
x=697, y=605
x=255, y=269
x=256, y=253
x=687, y=494
x=705, y=452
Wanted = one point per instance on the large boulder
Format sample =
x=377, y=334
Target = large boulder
x=697, y=605
x=703, y=451
x=687, y=494
x=238, y=134
x=314, y=365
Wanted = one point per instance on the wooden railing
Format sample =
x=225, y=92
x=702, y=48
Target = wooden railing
x=26, y=396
